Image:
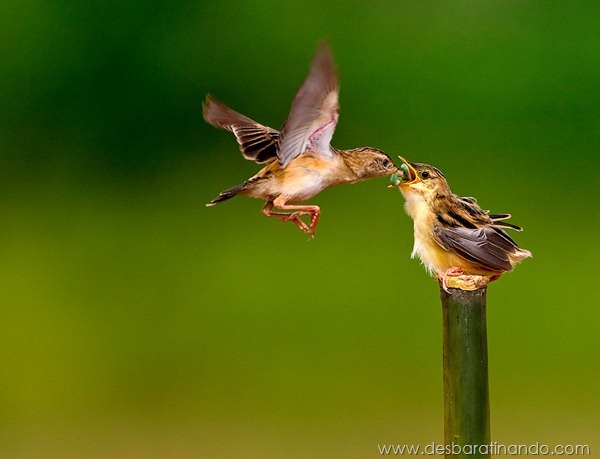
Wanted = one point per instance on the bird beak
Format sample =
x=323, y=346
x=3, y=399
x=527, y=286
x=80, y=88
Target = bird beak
x=408, y=174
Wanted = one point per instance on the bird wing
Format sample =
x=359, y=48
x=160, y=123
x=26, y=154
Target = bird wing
x=487, y=246
x=498, y=221
x=314, y=112
x=257, y=142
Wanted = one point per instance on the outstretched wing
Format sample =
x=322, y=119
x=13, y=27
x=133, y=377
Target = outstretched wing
x=314, y=112
x=487, y=246
x=257, y=142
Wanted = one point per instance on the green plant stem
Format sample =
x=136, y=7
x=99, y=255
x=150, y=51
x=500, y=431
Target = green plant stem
x=466, y=389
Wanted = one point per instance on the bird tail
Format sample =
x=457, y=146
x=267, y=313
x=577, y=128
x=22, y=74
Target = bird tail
x=227, y=194
x=519, y=255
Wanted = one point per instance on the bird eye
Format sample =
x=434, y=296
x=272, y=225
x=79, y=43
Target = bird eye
x=386, y=162
x=424, y=175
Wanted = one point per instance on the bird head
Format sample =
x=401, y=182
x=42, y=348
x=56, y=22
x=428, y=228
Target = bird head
x=421, y=179
x=367, y=162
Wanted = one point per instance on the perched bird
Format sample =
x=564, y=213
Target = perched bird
x=300, y=161
x=453, y=235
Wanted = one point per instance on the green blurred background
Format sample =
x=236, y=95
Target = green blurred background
x=136, y=322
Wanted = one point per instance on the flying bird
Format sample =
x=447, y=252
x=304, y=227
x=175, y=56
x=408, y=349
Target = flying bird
x=300, y=162
x=453, y=235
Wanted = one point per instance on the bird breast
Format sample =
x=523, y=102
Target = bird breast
x=300, y=184
x=301, y=179
x=434, y=258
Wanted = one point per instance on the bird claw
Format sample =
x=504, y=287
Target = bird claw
x=462, y=281
x=455, y=271
x=294, y=217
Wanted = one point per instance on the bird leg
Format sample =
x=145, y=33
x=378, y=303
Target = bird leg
x=455, y=271
x=294, y=217
x=286, y=217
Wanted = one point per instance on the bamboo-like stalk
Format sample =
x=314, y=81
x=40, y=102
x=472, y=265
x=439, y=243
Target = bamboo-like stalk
x=466, y=389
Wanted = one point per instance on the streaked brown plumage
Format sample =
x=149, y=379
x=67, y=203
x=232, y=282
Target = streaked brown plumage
x=453, y=235
x=300, y=160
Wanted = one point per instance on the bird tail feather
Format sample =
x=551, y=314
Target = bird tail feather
x=227, y=194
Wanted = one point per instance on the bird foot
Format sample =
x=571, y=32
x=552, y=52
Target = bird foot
x=294, y=217
x=455, y=271
x=455, y=277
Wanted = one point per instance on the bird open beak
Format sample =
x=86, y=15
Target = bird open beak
x=408, y=174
